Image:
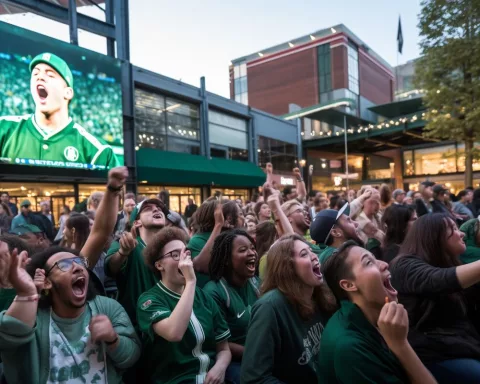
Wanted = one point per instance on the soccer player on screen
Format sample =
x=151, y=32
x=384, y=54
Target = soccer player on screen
x=50, y=133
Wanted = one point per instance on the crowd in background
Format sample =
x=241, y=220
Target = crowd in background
x=294, y=286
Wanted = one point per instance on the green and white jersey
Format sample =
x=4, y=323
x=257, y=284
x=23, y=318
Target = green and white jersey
x=189, y=360
x=23, y=141
x=235, y=303
x=133, y=279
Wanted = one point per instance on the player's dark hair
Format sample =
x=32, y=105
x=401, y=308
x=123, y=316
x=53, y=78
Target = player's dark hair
x=230, y=211
x=221, y=260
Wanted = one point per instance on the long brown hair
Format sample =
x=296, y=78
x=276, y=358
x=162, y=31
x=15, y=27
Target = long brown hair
x=281, y=275
x=7, y=209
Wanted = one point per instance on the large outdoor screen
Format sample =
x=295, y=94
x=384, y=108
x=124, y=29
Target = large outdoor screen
x=60, y=105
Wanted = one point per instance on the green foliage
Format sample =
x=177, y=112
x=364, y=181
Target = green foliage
x=449, y=69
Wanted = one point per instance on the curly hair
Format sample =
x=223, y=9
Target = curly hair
x=220, y=262
x=281, y=275
x=153, y=252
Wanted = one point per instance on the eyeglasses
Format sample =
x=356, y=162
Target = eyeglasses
x=65, y=265
x=175, y=255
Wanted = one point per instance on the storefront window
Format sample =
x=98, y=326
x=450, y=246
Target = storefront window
x=232, y=194
x=461, y=158
x=408, y=165
x=178, y=195
x=432, y=161
x=58, y=195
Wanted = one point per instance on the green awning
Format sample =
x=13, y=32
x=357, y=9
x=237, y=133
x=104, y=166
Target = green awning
x=173, y=168
x=399, y=108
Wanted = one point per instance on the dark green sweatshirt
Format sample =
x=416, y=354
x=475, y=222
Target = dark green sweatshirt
x=281, y=347
x=472, y=253
x=353, y=351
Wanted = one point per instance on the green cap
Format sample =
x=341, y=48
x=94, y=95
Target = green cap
x=56, y=63
x=25, y=203
x=138, y=208
x=23, y=229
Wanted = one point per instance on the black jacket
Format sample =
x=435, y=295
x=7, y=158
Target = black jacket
x=441, y=326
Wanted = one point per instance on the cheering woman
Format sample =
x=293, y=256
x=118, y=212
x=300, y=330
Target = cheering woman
x=185, y=332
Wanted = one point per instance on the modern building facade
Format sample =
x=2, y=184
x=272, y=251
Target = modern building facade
x=176, y=137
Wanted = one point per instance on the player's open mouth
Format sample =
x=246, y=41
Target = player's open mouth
x=251, y=264
x=388, y=286
x=42, y=92
x=316, y=271
x=158, y=216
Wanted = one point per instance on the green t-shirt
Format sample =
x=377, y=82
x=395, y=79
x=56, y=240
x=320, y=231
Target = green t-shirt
x=196, y=244
x=353, y=351
x=23, y=141
x=235, y=304
x=133, y=279
x=73, y=329
x=280, y=345
x=188, y=360
x=327, y=252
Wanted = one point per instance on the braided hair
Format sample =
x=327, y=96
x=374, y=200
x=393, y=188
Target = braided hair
x=221, y=261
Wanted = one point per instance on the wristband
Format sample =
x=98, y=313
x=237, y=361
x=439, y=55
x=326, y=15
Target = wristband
x=111, y=342
x=113, y=189
x=300, y=180
x=35, y=297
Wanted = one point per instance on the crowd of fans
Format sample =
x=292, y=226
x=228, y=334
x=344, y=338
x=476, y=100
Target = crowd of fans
x=368, y=286
x=97, y=105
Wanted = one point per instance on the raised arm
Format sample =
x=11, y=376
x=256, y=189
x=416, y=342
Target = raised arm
x=106, y=216
x=272, y=197
x=301, y=188
x=25, y=304
x=173, y=328
x=201, y=262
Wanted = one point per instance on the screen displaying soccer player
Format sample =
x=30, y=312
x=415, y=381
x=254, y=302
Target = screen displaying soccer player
x=55, y=116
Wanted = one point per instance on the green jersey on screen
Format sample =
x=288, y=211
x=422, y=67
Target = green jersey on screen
x=23, y=141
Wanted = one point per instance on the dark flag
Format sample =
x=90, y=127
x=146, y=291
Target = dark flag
x=400, y=36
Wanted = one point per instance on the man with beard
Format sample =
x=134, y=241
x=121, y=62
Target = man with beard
x=333, y=228
x=66, y=333
x=298, y=218
x=124, y=259
x=50, y=136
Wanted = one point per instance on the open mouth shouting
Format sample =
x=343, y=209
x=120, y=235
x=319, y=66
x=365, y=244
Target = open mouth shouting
x=316, y=271
x=79, y=287
x=251, y=265
x=391, y=292
x=42, y=92
x=158, y=216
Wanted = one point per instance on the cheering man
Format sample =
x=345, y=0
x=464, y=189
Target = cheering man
x=50, y=137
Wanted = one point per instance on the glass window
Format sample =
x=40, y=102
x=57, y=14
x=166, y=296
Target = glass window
x=227, y=130
x=353, y=84
x=232, y=194
x=178, y=195
x=183, y=146
x=154, y=141
x=432, y=161
x=236, y=71
x=243, y=69
x=216, y=152
x=282, y=155
x=324, y=68
x=461, y=158
x=408, y=164
x=238, y=154
x=182, y=108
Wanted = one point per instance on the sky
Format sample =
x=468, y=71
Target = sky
x=188, y=39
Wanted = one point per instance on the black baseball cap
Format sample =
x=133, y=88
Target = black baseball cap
x=439, y=189
x=428, y=183
x=324, y=221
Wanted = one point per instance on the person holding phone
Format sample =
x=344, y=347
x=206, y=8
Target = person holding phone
x=183, y=328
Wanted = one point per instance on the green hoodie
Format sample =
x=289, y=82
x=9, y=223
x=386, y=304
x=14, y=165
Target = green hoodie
x=25, y=350
x=472, y=253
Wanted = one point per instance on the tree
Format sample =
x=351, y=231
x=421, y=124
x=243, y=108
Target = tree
x=449, y=72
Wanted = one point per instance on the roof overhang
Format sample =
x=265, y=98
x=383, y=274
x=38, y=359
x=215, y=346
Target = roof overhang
x=399, y=108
